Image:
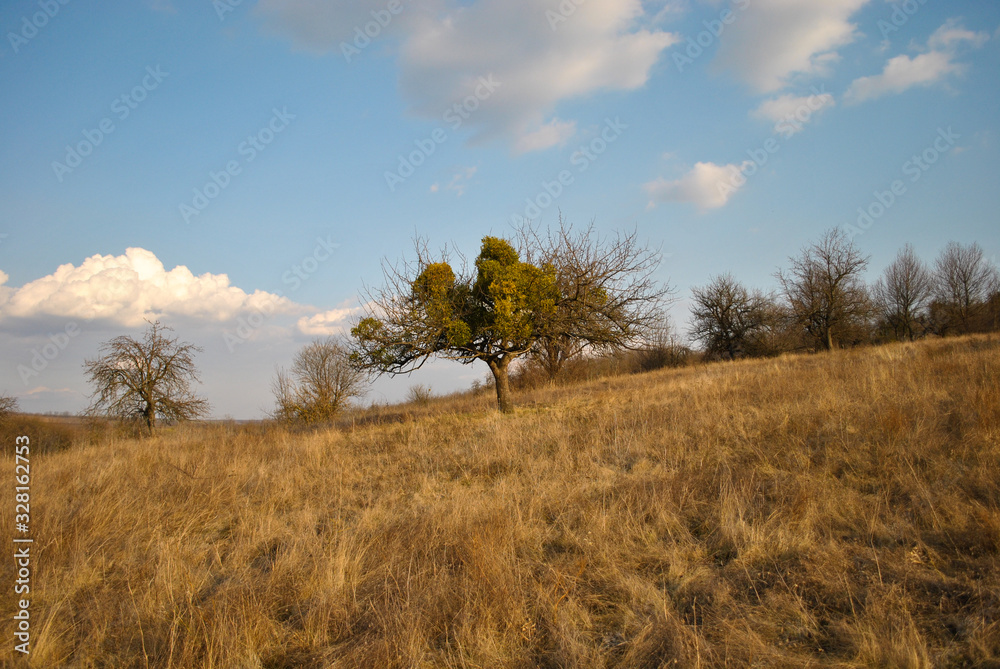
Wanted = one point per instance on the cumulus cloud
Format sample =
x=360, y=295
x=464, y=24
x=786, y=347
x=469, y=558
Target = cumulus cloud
x=772, y=41
x=934, y=65
x=333, y=322
x=707, y=185
x=129, y=288
x=540, y=54
x=790, y=112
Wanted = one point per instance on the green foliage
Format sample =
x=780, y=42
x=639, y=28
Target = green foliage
x=499, y=310
x=564, y=288
x=513, y=298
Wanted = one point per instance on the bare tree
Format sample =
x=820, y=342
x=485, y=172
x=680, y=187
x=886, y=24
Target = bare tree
x=588, y=271
x=825, y=292
x=8, y=405
x=902, y=293
x=552, y=352
x=321, y=383
x=563, y=286
x=965, y=280
x=729, y=319
x=146, y=380
x=608, y=296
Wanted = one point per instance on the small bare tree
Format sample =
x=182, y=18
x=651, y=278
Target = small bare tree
x=728, y=319
x=902, y=293
x=824, y=289
x=964, y=282
x=8, y=405
x=320, y=385
x=148, y=380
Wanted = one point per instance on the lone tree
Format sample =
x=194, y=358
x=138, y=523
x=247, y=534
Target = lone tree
x=965, y=280
x=825, y=292
x=146, y=380
x=902, y=293
x=728, y=319
x=561, y=287
x=8, y=405
x=321, y=383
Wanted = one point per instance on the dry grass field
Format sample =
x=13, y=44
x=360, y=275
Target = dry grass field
x=836, y=510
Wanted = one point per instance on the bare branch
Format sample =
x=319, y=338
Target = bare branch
x=147, y=380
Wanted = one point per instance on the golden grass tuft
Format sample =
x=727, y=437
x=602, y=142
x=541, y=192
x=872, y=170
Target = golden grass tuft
x=834, y=510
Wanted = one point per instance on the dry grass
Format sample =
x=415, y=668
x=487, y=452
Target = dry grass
x=831, y=510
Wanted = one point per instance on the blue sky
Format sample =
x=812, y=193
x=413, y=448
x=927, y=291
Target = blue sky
x=239, y=169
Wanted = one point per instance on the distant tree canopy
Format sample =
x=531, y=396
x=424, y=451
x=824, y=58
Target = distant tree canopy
x=321, y=384
x=964, y=282
x=148, y=380
x=902, y=293
x=8, y=405
x=729, y=319
x=825, y=292
x=565, y=288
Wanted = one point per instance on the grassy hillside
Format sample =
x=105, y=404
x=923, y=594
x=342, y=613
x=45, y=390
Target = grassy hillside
x=834, y=510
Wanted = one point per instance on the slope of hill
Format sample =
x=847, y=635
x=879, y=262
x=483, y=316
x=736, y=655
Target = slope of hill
x=829, y=510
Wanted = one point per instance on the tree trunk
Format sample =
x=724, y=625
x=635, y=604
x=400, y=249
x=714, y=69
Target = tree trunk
x=829, y=339
x=502, y=382
x=149, y=415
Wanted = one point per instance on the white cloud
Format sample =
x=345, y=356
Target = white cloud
x=952, y=34
x=458, y=182
x=935, y=65
x=539, y=56
x=553, y=133
x=540, y=62
x=333, y=322
x=901, y=73
x=707, y=185
x=790, y=112
x=129, y=288
x=772, y=41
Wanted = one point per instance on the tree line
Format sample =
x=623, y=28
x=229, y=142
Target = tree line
x=823, y=301
x=541, y=300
